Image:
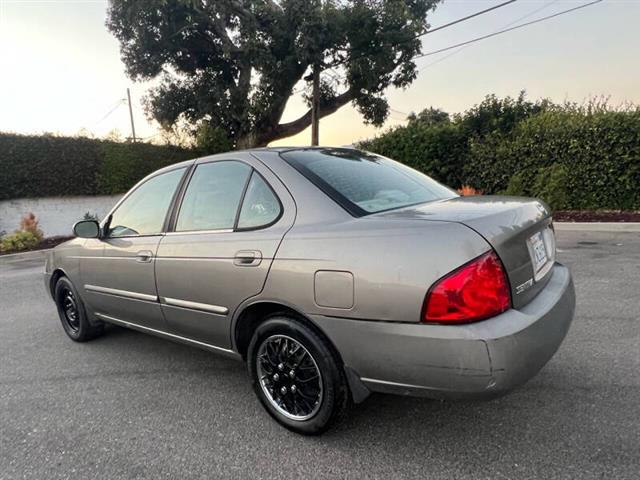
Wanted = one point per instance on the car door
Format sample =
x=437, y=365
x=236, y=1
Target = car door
x=232, y=217
x=119, y=283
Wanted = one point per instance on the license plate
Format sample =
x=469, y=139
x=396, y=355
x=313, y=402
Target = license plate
x=538, y=251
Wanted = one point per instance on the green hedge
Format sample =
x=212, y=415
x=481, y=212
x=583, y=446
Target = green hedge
x=42, y=166
x=439, y=149
x=572, y=157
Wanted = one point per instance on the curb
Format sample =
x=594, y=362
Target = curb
x=20, y=257
x=612, y=227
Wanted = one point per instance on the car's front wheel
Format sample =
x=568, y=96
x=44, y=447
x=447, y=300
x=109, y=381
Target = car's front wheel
x=296, y=376
x=72, y=313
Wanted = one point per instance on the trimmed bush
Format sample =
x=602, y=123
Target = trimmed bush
x=50, y=166
x=572, y=157
x=439, y=149
x=18, y=241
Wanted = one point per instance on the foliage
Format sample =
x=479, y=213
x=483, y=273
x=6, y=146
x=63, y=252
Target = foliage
x=439, y=149
x=586, y=159
x=572, y=156
x=18, y=241
x=550, y=184
x=29, y=223
x=43, y=166
x=124, y=164
x=28, y=236
x=211, y=140
x=91, y=216
x=234, y=64
x=430, y=116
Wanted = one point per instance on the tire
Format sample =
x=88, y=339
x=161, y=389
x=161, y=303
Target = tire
x=294, y=398
x=72, y=313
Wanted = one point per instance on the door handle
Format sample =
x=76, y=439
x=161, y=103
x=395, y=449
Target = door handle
x=248, y=258
x=144, y=256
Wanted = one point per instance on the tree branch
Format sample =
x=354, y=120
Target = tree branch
x=291, y=128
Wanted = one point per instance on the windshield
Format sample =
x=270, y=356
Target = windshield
x=365, y=183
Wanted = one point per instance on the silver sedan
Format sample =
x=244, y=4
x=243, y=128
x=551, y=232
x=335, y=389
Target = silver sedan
x=332, y=272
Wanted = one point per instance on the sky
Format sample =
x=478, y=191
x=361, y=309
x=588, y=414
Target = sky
x=60, y=69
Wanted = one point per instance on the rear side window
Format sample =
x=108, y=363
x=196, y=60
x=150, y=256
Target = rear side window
x=365, y=183
x=260, y=207
x=213, y=196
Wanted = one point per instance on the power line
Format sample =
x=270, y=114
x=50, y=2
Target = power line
x=513, y=22
x=441, y=27
x=337, y=77
x=468, y=17
x=499, y=32
x=399, y=111
x=113, y=109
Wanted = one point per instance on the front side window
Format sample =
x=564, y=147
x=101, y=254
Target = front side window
x=143, y=212
x=213, y=196
x=365, y=183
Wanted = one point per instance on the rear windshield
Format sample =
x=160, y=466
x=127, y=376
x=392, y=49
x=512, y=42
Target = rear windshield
x=365, y=183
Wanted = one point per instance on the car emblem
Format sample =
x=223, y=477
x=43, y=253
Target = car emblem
x=524, y=286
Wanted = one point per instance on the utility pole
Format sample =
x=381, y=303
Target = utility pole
x=315, y=106
x=133, y=128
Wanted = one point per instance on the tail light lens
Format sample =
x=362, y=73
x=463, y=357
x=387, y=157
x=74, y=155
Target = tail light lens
x=475, y=291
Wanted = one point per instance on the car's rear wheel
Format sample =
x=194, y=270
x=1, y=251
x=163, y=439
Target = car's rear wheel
x=296, y=376
x=72, y=313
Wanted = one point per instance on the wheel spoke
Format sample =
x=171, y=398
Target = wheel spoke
x=289, y=377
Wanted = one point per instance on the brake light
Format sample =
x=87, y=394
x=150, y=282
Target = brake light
x=475, y=291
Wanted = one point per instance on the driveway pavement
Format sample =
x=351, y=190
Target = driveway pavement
x=133, y=406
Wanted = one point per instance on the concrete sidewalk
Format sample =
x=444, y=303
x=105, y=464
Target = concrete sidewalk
x=598, y=226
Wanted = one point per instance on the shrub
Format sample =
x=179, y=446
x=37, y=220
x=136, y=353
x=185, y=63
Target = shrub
x=21, y=240
x=29, y=223
x=438, y=149
x=124, y=164
x=550, y=184
x=590, y=160
x=516, y=186
x=41, y=166
x=28, y=236
x=573, y=157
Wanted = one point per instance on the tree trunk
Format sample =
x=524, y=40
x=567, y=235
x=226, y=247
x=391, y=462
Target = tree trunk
x=258, y=138
x=250, y=140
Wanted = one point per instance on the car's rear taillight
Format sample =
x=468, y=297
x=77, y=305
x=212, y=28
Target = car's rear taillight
x=475, y=291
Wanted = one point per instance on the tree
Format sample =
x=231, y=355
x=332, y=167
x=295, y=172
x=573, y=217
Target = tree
x=233, y=64
x=430, y=116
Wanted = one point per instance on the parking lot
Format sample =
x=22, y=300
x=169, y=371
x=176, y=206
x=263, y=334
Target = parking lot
x=130, y=405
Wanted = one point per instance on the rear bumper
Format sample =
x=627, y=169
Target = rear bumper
x=462, y=361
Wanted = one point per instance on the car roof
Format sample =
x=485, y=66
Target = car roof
x=258, y=151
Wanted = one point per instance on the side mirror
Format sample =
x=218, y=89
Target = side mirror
x=87, y=229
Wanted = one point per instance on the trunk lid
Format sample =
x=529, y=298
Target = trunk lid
x=518, y=229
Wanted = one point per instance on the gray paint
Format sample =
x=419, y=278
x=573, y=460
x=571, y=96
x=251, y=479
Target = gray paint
x=362, y=281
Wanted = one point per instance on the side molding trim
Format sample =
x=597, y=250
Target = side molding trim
x=205, y=307
x=121, y=293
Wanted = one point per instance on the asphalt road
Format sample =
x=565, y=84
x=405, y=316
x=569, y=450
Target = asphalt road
x=130, y=405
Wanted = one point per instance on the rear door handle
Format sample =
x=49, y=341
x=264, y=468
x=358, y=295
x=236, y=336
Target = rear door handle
x=248, y=258
x=144, y=256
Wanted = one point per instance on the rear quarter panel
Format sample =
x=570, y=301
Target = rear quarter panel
x=393, y=264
